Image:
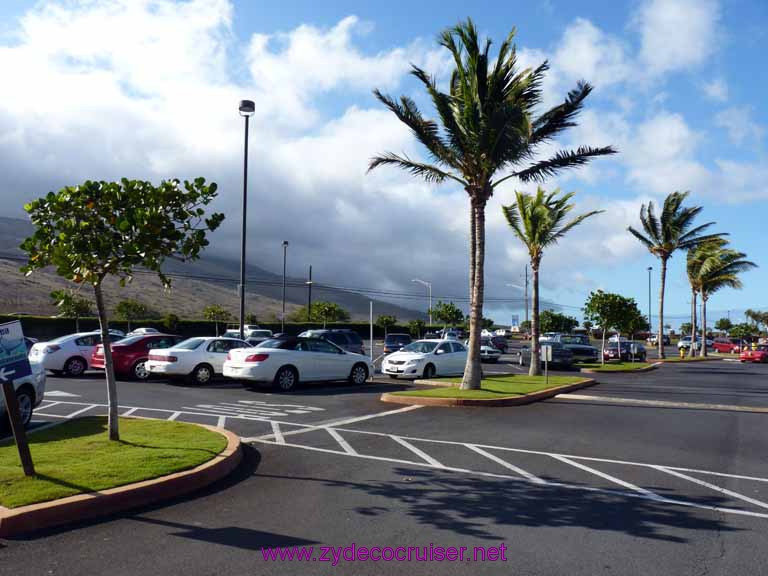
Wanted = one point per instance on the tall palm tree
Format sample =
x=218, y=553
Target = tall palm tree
x=539, y=221
x=720, y=269
x=663, y=235
x=695, y=260
x=486, y=125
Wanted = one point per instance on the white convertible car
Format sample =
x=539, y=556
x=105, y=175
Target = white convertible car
x=200, y=359
x=426, y=359
x=286, y=361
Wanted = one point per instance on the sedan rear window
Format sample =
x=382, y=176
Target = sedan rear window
x=397, y=338
x=190, y=344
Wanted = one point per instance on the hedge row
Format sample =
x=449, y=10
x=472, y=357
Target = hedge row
x=45, y=328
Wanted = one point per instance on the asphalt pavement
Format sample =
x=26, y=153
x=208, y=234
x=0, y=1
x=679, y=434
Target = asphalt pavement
x=579, y=484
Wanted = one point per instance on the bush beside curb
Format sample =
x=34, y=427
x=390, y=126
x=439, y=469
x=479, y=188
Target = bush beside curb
x=34, y=517
x=644, y=369
x=505, y=401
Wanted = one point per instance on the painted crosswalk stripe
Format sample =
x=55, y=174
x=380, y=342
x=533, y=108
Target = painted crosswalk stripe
x=343, y=443
x=608, y=477
x=711, y=486
x=423, y=455
x=507, y=465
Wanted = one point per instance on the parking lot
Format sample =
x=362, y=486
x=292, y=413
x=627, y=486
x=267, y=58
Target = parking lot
x=656, y=473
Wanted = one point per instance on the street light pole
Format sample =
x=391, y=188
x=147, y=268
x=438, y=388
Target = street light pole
x=285, y=256
x=650, y=327
x=247, y=109
x=309, y=296
x=429, y=286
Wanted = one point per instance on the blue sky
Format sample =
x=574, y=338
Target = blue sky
x=677, y=90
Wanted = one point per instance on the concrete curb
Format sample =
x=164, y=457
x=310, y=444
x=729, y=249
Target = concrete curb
x=25, y=519
x=636, y=370
x=506, y=401
x=687, y=361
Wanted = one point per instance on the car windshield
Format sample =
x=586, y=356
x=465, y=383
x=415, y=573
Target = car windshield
x=190, y=344
x=571, y=340
x=397, y=338
x=421, y=346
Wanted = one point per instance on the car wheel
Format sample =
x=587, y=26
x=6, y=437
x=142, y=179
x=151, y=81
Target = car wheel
x=286, y=379
x=75, y=367
x=139, y=370
x=359, y=374
x=26, y=405
x=202, y=374
x=429, y=371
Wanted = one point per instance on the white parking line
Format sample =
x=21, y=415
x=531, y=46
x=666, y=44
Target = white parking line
x=505, y=464
x=426, y=457
x=173, y=416
x=221, y=422
x=277, y=433
x=712, y=486
x=81, y=411
x=662, y=403
x=608, y=477
x=343, y=443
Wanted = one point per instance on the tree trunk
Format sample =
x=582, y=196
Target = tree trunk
x=602, y=350
x=473, y=369
x=109, y=368
x=691, y=350
x=661, y=307
x=703, y=323
x=77, y=324
x=535, y=368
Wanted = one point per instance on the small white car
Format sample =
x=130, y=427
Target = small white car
x=29, y=392
x=69, y=355
x=286, y=361
x=488, y=353
x=258, y=336
x=199, y=359
x=426, y=359
x=140, y=331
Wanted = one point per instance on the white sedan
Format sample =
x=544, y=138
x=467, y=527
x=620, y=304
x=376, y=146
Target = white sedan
x=69, y=354
x=30, y=391
x=286, y=361
x=200, y=359
x=426, y=359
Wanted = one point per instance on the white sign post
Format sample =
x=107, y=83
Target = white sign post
x=546, y=352
x=14, y=364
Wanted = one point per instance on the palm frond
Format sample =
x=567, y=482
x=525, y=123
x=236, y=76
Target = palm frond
x=561, y=117
x=545, y=169
x=426, y=171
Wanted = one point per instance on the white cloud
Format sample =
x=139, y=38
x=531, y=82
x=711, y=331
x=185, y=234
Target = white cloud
x=586, y=52
x=716, y=90
x=738, y=122
x=677, y=34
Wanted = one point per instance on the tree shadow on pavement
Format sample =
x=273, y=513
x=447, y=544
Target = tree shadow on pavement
x=477, y=507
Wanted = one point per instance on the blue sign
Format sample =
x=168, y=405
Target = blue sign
x=13, y=352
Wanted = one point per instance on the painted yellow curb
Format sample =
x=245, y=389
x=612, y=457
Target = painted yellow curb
x=34, y=517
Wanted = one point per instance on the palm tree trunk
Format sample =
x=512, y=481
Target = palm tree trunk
x=691, y=350
x=602, y=349
x=703, y=323
x=661, y=307
x=109, y=367
x=535, y=369
x=473, y=370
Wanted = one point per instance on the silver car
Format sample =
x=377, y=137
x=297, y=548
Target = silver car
x=30, y=391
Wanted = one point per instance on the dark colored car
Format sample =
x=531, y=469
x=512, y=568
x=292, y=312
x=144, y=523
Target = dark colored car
x=561, y=356
x=500, y=343
x=395, y=342
x=129, y=355
x=579, y=345
x=611, y=352
x=344, y=338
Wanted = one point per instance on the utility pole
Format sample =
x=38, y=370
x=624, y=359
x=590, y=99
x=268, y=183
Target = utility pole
x=309, y=296
x=285, y=256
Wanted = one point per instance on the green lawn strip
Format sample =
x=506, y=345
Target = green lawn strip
x=76, y=457
x=696, y=358
x=614, y=366
x=495, y=387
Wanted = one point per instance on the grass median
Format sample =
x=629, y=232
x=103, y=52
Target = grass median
x=614, y=366
x=76, y=457
x=492, y=387
x=696, y=358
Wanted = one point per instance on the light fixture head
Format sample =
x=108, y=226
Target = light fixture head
x=247, y=108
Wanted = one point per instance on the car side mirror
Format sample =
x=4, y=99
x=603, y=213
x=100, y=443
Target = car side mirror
x=440, y=352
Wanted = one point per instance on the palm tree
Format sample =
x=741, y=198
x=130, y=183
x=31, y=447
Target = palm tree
x=694, y=262
x=665, y=234
x=539, y=221
x=720, y=269
x=487, y=125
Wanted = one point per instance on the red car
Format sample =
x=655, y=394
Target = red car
x=130, y=354
x=727, y=345
x=758, y=355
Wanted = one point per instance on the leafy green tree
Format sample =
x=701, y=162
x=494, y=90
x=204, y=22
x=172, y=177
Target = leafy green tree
x=757, y=317
x=540, y=221
x=686, y=328
x=100, y=229
x=329, y=312
x=724, y=325
x=416, y=328
x=552, y=321
x=447, y=314
x=607, y=311
x=386, y=321
x=216, y=314
x=130, y=310
x=525, y=326
x=171, y=322
x=588, y=326
x=251, y=318
x=72, y=305
x=634, y=320
x=488, y=125
x=743, y=330
x=488, y=323
x=663, y=235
